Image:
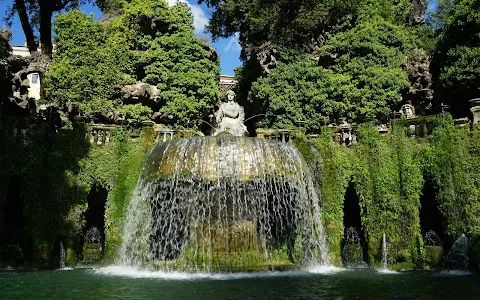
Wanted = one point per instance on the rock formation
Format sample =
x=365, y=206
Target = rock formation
x=140, y=93
x=417, y=14
x=420, y=94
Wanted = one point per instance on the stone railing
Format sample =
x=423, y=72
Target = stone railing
x=164, y=134
x=167, y=134
x=281, y=135
x=100, y=134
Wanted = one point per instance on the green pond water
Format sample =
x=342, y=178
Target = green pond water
x=111, y=283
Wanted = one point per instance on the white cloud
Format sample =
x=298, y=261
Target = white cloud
x=200, y=19
x=233, y=44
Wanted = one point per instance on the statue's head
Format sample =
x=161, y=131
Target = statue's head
x=230, y=95
x=408, y=110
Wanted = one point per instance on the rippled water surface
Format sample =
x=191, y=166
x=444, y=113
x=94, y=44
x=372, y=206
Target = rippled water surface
x=315, y=283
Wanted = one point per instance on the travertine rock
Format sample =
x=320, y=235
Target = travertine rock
x=140, y=92
x=417, y=14
x=420, y=94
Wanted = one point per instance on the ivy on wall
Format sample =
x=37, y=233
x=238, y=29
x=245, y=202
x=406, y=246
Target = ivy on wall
x=56, y=171
x=452, y=160
x=388, y=180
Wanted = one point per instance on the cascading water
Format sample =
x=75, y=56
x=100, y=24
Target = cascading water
x=63, y=256
x=223, y=203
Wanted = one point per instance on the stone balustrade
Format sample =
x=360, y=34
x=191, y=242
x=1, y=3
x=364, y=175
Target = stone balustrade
x=164, y=134
x=100, y=134
x=281, y=135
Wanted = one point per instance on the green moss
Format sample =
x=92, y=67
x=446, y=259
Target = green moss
x=402, y=266
x=71, y=257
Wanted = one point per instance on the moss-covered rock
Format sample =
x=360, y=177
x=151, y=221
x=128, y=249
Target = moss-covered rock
x=433, y=256
x=353, y=255
x=71, y=258
x=92, y=253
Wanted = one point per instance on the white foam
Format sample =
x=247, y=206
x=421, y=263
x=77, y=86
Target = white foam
x=455, y=273
x=142, y=273
x=322, y=269
x=65, y=269
x=386, y=271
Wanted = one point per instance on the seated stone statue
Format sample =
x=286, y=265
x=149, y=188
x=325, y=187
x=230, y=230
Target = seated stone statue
x=230, y=117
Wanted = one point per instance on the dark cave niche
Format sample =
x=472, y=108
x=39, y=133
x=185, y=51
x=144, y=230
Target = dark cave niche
x=430, y=216
x=355, y=252
x=13, y=242
x=94, y=217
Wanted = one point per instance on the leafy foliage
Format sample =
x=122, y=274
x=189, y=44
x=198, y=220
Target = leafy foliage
x=373, y=54
x=56, y=172
x=452, y=161
x=367, y=79
x=301, y=94
x=89, y=63
x=457, y=57
x=149, y=42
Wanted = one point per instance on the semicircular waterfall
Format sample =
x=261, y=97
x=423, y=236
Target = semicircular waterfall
x=224, y=204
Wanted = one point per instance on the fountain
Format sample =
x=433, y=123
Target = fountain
x=92, y=249
x=63, y=256
x=457, y=258
x=224, y=203
x=352, y=249
x=384, y=252
x=433, y=249
x=384, y=269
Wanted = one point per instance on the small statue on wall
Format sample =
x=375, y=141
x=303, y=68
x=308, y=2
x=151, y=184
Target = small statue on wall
x=408, y=110
x=230, y=117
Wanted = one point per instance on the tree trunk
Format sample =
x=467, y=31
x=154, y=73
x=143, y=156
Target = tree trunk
x=46, y=30
x=26, y=26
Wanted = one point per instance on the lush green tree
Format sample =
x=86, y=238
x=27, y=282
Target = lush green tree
x=89, y=62
x=301, y=94
x=294, y=24
x=366, y=79
x=147, y=41
x=457, y=57
x=372, y=54
x=36, y=16
x=182, y=66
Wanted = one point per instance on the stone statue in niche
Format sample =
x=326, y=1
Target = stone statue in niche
x=230, y=117
x=408, y=111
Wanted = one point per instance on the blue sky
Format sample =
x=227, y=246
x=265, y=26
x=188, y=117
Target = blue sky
x=228, y=49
